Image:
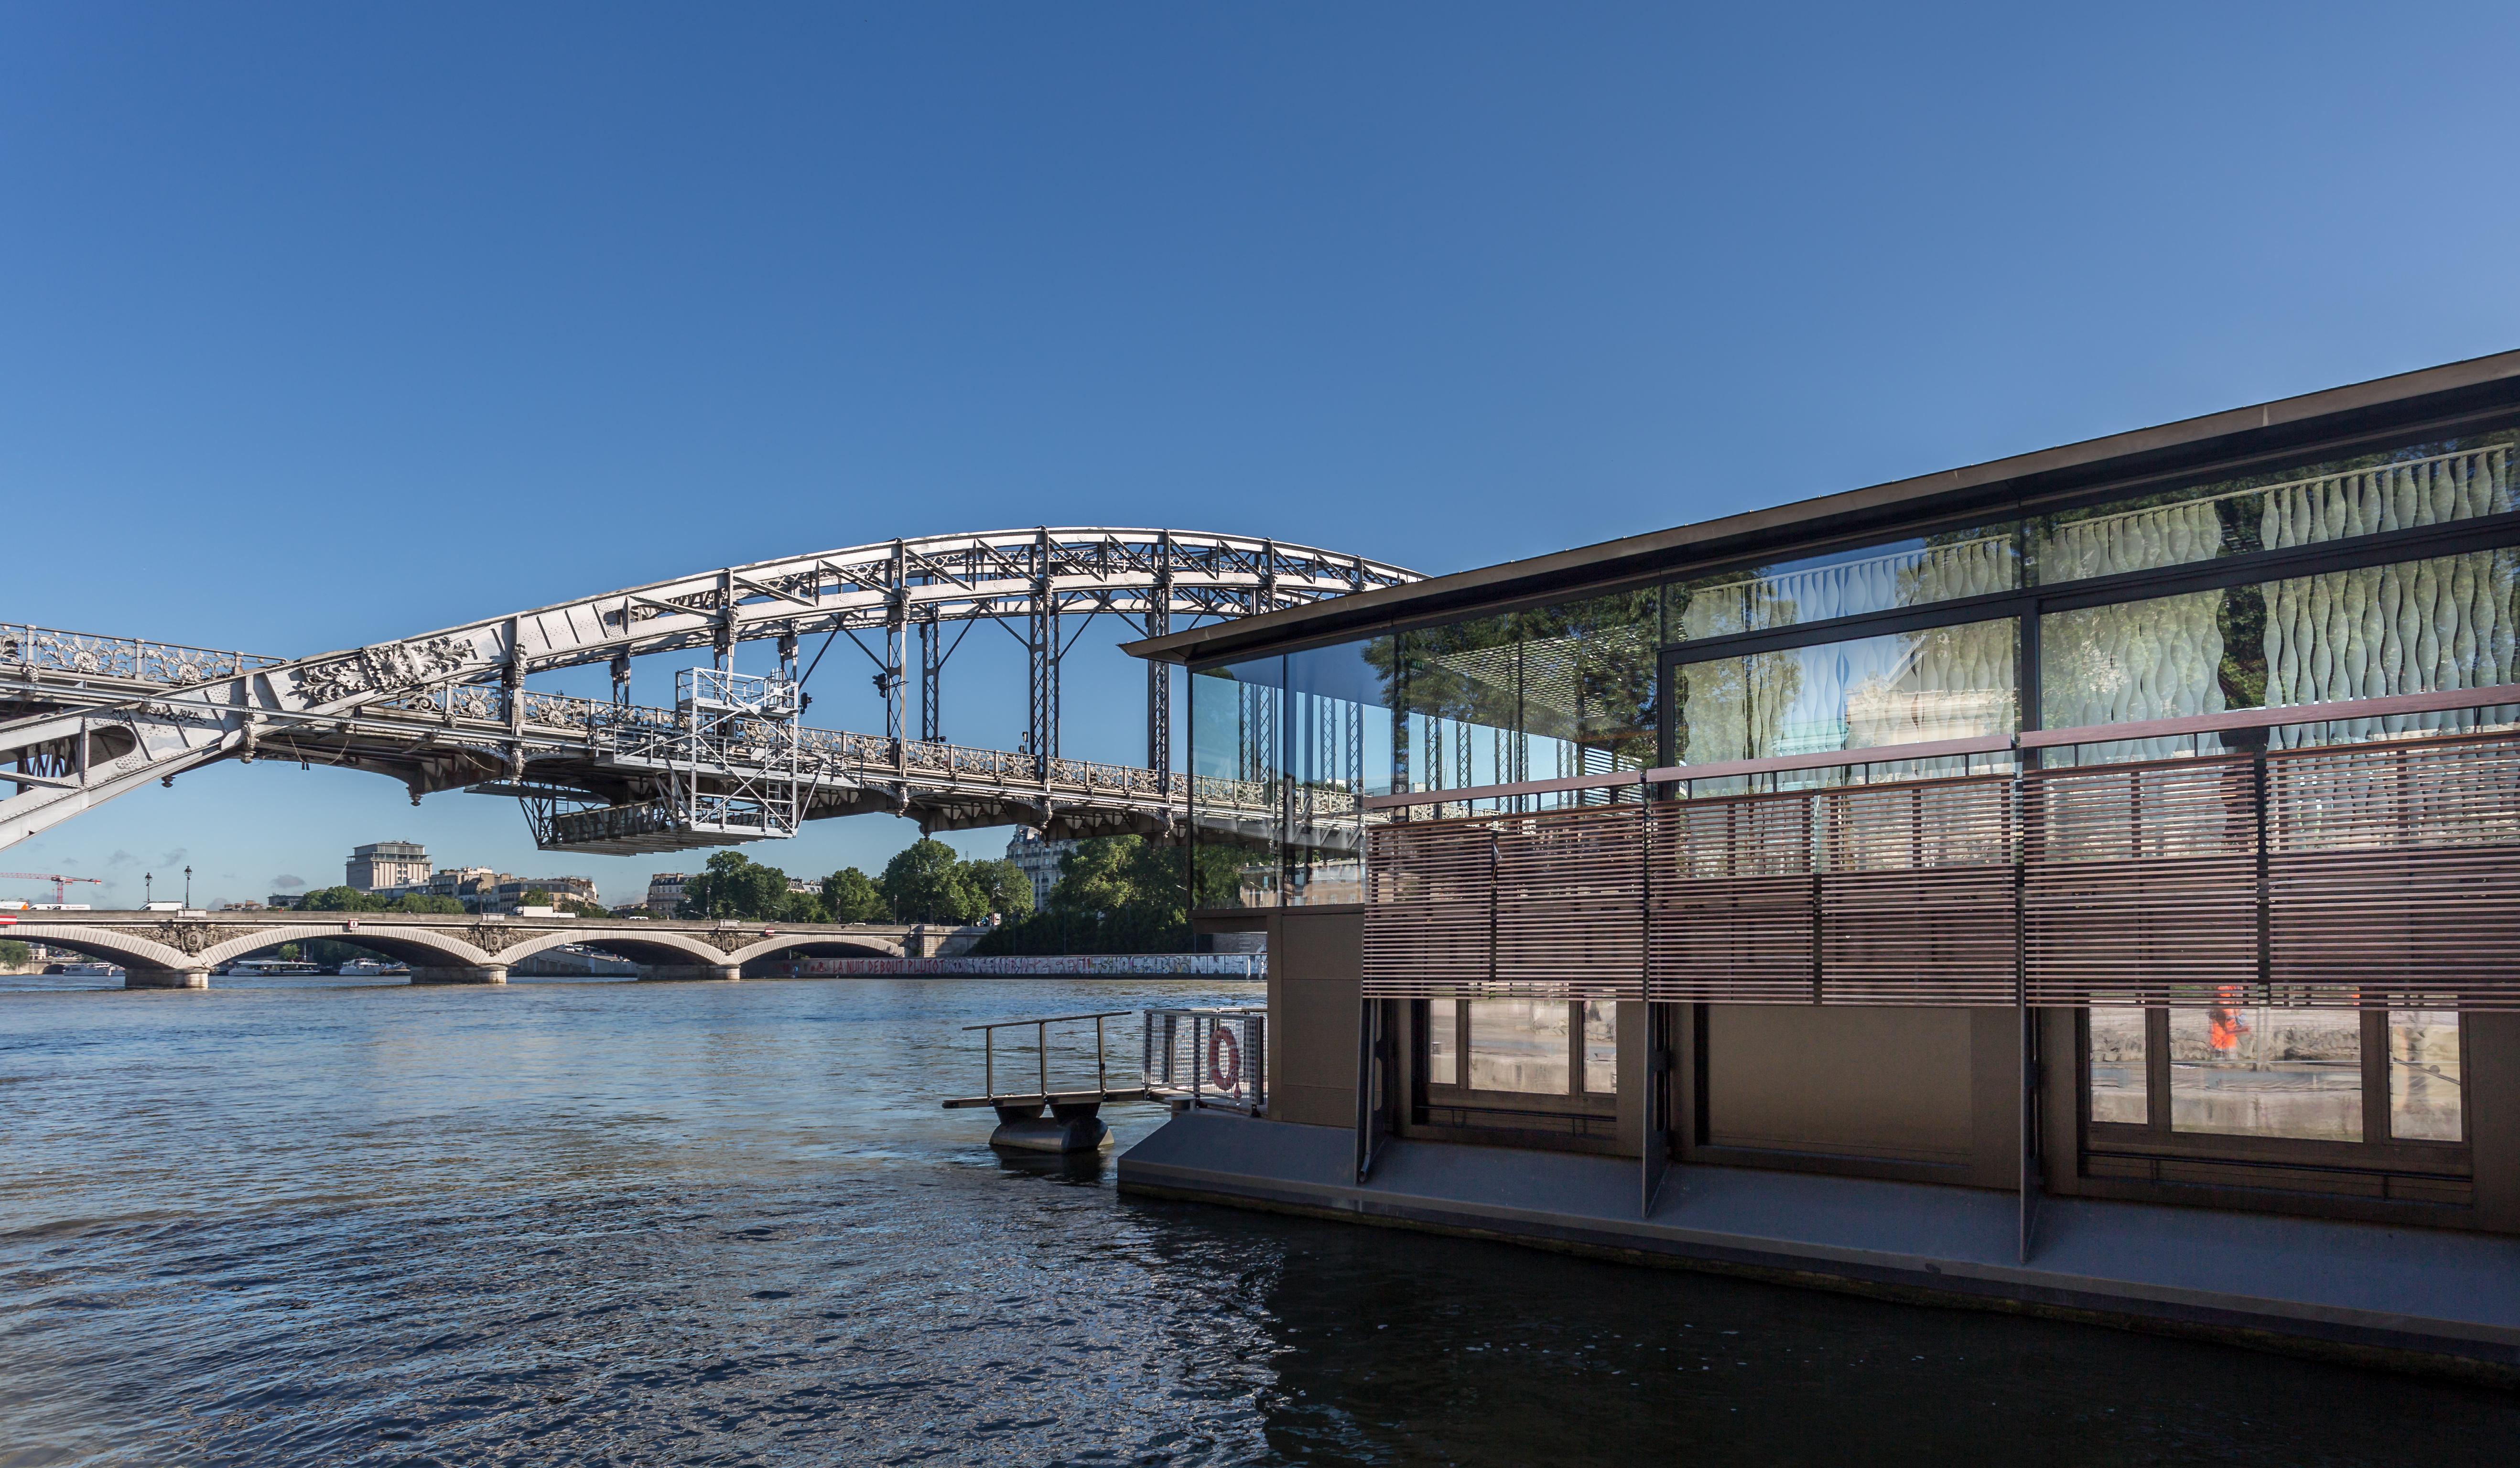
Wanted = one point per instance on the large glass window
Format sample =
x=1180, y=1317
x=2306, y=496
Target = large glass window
x=1236, y=770
x=1943, y=683
x=2120, y=1086
x=2424, y=1076
x=2258, y=1072
x=2268, y=1074
x=1339, y=747
x=1530, y=1047
x=2428, y=483
x=1914, y=572
x=2414, y=627
x=1559, y=691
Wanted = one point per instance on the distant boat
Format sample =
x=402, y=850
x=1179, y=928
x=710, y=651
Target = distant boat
x=368, y=968
x=84, y=970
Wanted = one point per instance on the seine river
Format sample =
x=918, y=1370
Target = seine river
x=725, y=1224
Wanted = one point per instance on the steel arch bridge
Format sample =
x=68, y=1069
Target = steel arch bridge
x=84, y=719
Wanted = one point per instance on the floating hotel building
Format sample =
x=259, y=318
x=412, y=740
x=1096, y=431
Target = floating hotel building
x=2085, y=882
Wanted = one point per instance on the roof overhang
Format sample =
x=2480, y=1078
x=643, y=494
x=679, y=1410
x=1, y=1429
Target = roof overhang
x=2480, y=384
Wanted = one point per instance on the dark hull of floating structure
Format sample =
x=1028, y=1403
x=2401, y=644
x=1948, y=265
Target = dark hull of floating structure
x=2421, y=1298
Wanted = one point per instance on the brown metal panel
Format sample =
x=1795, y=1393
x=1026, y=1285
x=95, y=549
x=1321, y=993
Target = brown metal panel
x=2392, y=874
x=2139, y=878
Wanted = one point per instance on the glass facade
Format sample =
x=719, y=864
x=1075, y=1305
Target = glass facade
x=2425, y=1092
x=2120, y=1086
x=1525, y=1047
x=2412, y=627
x=2431, y=483
x=1914, y=572
x=2259, y=1072
x=1730, y=666
x=1905, y=687
x=1282, y=748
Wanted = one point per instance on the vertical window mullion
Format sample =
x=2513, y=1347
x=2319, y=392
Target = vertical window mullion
x=2156, y=1071
x=2377, y=1123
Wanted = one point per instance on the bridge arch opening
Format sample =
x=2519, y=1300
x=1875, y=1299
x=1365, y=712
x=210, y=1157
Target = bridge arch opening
x=772, y=956
x=428, y=954
x=131, y=954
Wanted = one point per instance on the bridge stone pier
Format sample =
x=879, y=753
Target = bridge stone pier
x=180, y=949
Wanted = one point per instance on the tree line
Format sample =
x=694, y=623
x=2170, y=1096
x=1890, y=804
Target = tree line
x=1115, y=895
x=923, y=882
x=1119, y=895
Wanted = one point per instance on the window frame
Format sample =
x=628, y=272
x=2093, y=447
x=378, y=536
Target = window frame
x=2380, y=1154
x=1578, y=1117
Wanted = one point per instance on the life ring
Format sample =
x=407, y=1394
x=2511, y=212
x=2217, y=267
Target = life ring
x=1224, y=1061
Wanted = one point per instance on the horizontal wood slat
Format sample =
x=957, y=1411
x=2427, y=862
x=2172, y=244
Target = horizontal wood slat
x=2386, y=872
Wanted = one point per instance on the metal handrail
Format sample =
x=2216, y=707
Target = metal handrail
x=1251, y=1019
x=1041, y=1048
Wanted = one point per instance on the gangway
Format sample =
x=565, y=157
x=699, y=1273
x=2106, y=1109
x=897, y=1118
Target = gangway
x=1214, y=1057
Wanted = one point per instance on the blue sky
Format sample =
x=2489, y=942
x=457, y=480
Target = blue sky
x=321, y=325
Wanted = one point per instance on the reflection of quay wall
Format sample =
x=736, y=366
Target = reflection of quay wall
x=1084, y=965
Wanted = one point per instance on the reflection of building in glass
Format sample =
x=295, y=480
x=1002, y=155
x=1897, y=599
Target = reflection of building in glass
x=2129, y=825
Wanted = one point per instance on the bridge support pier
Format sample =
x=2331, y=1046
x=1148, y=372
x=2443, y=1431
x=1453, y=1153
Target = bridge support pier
x=494, y=973
x=682, y=971
x=136, y=977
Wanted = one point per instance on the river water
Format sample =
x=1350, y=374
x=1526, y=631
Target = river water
x=319, y=1222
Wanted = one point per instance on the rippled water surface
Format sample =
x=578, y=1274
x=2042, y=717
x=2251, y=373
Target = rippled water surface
x=612, y=1222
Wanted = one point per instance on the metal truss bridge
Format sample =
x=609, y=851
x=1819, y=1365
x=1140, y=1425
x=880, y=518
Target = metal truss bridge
x=84, y=719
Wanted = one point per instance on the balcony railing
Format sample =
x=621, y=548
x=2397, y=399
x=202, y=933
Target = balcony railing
x=2329, y=868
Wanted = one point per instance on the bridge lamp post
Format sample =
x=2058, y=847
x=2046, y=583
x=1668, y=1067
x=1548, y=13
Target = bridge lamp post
x=188, y=886
x=146, y=879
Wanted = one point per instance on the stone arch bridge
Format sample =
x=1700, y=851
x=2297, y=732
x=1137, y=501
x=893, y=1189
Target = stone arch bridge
x=84, y=719
x=179, y=950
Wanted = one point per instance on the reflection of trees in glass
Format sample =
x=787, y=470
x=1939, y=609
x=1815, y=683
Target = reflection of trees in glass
x=2153, y=659
x=1949, y=682
x=1588, y=676
x=1446, y=680
x=2414, y=627
x=2415, y=484
x=1732, y=708
x=1938, y=567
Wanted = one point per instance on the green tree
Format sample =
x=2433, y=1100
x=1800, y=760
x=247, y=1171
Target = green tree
x=15, y=955
x=925, y=882
x=415, y=902
x=341, y=899
x=733, y=885
x=803, y=906
x=1004, y=887
x=851, y=896
x=1119, y=895
x=535, y=897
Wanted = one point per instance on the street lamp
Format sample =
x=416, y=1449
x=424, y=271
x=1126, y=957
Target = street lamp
x=146, y=879
x=188, y=888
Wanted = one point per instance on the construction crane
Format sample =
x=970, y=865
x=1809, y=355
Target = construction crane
x=61, y=884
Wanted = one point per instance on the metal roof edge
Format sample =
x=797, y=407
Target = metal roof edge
x=1384, y=606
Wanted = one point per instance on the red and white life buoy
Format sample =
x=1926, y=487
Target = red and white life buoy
x=1224, y=1061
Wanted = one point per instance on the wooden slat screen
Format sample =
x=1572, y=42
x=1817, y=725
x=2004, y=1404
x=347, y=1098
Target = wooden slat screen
x=1430, y=888
x=2138, y=878
x=1916, y=893
x=2385, y=873
x=1546, y=906
x=1731, y=900
x=2392, y=874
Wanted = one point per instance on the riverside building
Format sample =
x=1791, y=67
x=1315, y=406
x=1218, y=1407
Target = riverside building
x=2085, y=882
